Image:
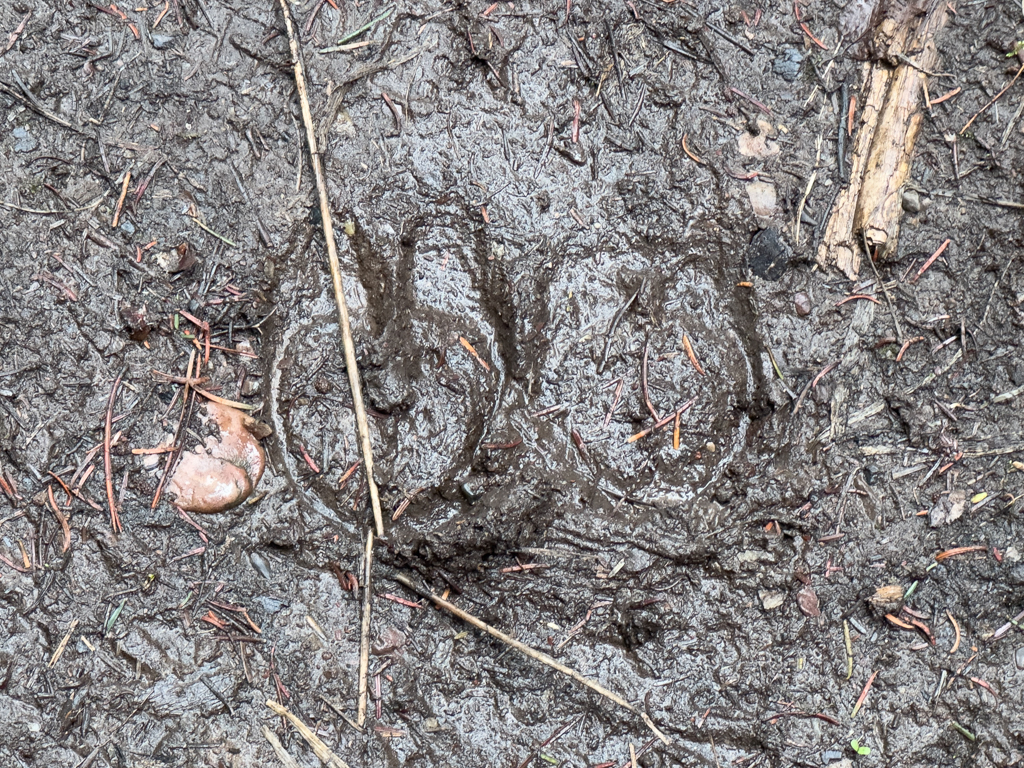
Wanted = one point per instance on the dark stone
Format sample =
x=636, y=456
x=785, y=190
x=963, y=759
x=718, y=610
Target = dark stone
x=768, y=255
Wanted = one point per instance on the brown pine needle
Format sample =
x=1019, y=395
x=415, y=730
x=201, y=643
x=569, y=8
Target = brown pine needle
x=692, y=355
x=61, y=518
x=863, y=695
x=931, y=260
x=690, y=154
x=120, y=200
x=956, y=628
x=958, y=551
x=993, y=101
x=469, y=348
x=115, y=519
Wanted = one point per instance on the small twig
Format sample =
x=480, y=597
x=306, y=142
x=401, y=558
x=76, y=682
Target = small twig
x=993, y=101
x=364, y=638
x=526, y=650
x=615, y=324
x=87, y=761
x=885, y=291
x=282, y=754
x=362, y=428
x=319, y=748
x=643, y=384
x=115, y=520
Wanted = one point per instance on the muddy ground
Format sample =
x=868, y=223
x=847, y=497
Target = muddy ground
x=531, y=178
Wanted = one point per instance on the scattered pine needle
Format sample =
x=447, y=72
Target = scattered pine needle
x=401, y=600
x=692, y=355
x=115, y=519
x=863, y=695
x=856, y=297
x=898, y=622
x=120, y=200
x=907, y=343
x=946, y=96
x=956, y=628
x=931, y=260
x=348, y=473
x=61, y=518
x=469, y=348
x=959, y=551
x=690, y=154
x=993, y=101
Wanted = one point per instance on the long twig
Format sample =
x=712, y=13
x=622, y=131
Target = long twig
x=362, y=428
x=319, y=748
x=526, y=650
x=364, y=639
x=115, y=519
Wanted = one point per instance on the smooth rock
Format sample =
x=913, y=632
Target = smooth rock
x=802, y=304
x=222, y=473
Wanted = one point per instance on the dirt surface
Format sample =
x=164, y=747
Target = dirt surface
x=571, y=198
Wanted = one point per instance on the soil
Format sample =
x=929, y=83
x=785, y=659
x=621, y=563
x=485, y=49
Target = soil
x=543, y=165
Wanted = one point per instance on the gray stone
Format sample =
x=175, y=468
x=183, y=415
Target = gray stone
x=911, y=201
x=26, y=141
x=787, y=66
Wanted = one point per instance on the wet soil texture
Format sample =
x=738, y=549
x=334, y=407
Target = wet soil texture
x=560, y=224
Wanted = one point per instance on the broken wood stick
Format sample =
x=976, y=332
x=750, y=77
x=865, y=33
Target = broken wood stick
x=319, y=748
x=868, y=209
x=362, y=427
x=364, y=637
x=526, y=650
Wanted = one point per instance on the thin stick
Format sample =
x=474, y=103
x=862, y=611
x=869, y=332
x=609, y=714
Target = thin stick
x=282, y=754
x=993, y=101
x=115, y=520
x=319, y=748
x=364, y=640
x=362, y=428
x=526, y=650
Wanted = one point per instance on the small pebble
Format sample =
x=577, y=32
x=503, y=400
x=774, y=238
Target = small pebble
x=26, y=142
x=911, y=201
x=1018, y=657
x=787, y=66
x=262, y=566
x=802, y=302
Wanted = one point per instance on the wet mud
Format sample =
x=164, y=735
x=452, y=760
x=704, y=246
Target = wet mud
x=562, y=226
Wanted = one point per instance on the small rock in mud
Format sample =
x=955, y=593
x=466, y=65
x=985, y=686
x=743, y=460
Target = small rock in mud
x=768, y=255
x=771, y=600
x=26, y=142
x=388, y=641
x=1018, y=658
x=222, y=473
x=787, y=66
x=911, y=201
x=763, y=199
x=802, y=303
